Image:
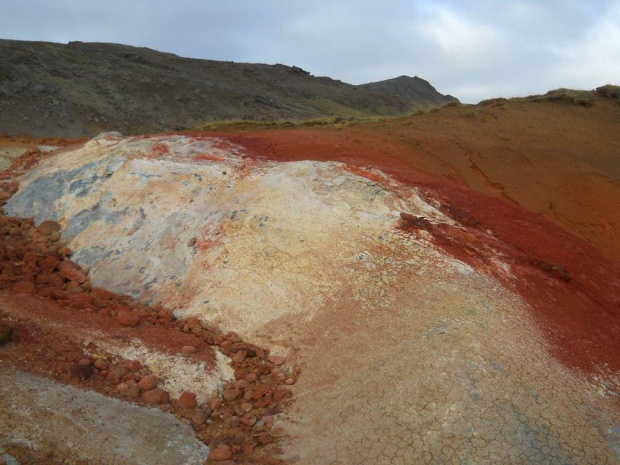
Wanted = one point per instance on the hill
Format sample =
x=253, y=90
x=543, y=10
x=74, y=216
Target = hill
x=77, y=89
x=412, y=88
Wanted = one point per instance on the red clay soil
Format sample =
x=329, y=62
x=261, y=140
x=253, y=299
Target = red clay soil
x=580, y=317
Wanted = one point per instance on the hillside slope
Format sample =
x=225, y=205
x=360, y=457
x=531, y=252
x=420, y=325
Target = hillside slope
x=556, y=159
x=49, y=89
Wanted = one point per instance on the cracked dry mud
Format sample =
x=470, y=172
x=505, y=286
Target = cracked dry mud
x=414, y=345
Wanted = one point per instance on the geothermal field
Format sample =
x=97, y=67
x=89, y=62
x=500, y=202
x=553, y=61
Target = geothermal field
x=435, y=287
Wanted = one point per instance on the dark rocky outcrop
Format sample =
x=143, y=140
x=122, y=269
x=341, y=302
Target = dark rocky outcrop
x=81, y=89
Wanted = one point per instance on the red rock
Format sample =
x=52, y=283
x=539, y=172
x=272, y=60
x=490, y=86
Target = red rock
x=215, y=403
x=188, y=350
x=127, y=318
x=64, y=250
x=199, y=417
x=42, y=278
x=115, y=374
x=155, y=396
x=24, y=287
x=133, y=365
x=72, y=274
x=74, y=288
x=248, y=421
x=251, y=377
x=55, y=236
x=264, y=438
x=48, y=227
x=49, y=263
x=277, y=359
x=129, y=390
x=58, y=294
x=220, y=453
x=192, y=324
x=101, y=364
x=55, y=280
x=148, y=382
x=289, y=381
x=187, y=400
x=231, y=394
x=84, y=361
x=242, y=384
x=240, y=356
x=246, y=406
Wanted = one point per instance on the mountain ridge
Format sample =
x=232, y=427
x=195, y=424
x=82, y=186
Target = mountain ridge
x=414, y=88
x=81, y=89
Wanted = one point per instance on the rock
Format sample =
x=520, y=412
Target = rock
x=231, y=394
x=277, y=359
x=133, y=365
x=240, y=356
x=192, y=324
x=84, y=361
x=199, y=417
x=6, y=334
x=289, y=381
x=220, y=453
x=42, y=278
x=148, y=382
x=187, y=400
x=55, y=280
x=242, y=384
x=48, y=227
x=130, y=390
x=264, y=438
x=58, y=294
x=72, y=274
x=24, y=287
x=251, y=377
x=417, y=221
x=155, y=396
x=49, y=263
x=101, y=364
x=115, y=374
x=188, y=350
x=64, y=250
x=74, y=288
x=128, y=318
x=246, y=406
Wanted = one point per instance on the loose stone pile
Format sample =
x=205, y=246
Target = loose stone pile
x=238, y=426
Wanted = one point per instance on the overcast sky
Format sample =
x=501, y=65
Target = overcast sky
x=471, y=49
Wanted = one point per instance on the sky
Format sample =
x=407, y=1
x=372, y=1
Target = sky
x=472, y=49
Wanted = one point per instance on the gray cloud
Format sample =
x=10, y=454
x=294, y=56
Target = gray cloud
x=471, y=49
